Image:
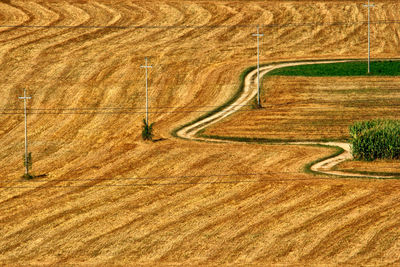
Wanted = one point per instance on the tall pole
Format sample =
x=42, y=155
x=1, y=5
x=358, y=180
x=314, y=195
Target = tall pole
x=26, y=132
x=147, y=101
x=258, y=64
x=369, y=38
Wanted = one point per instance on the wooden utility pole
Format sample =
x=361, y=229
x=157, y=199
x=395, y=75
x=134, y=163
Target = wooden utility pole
x=369, y=38
x=258, y=64
x=26, y=133
x=147, y=101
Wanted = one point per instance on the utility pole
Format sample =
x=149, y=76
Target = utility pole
x=147, y=101
x=369, y=38
x=26, y=133
x=258, y=64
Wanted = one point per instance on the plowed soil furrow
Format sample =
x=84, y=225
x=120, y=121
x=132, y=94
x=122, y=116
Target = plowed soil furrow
x=114, y=232
x=225, y=218
x=269, y=222
x=34, y=33
x=266, y=218
x=182, y=221
x=11, y=11
x=44, y=223
x=346, y=232
x=57, y=196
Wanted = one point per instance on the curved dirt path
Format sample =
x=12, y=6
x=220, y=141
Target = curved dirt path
x=249, y=92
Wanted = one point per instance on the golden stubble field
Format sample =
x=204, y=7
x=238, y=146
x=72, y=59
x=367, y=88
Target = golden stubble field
x=110, y=198
x=313, y=108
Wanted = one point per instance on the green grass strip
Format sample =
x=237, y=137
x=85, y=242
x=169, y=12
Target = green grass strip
x=354, y=68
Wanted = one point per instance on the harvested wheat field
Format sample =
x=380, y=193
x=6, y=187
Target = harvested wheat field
x=313, y=108
x=388, y=167
x=105, y=197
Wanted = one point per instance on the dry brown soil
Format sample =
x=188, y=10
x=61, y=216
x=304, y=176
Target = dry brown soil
x=110, y=198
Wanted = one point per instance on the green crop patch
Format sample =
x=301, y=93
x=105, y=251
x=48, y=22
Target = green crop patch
x=341, y=69
x=375, y=139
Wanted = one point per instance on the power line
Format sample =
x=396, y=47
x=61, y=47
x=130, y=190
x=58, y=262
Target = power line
x=127, y=108
x=111, y=113
x=167, y=184
x=42, y=180
x=258, y=35
x=149, y=177
x=183, y=183
x=187, y=108
x=140, y=185
x=94, y=112
x=369, y=38
x=146, y=66
x=272, y=25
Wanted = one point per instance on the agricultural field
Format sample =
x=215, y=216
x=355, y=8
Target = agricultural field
x=314, y=108
x=378, y=167
x=106, y=197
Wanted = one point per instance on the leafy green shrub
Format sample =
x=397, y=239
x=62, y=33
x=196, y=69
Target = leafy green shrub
x=375, y=139
x=147, y=131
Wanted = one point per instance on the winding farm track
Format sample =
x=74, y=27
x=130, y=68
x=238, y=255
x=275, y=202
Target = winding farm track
x=249, y=92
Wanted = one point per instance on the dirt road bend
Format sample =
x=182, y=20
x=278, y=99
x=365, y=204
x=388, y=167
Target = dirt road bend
x=249, y=92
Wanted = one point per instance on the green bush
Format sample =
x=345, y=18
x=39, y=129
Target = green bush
x=375, y=139
x=147, y=131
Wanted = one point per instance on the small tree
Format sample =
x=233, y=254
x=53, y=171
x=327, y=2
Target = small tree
x=147, y=132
